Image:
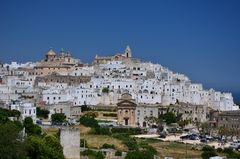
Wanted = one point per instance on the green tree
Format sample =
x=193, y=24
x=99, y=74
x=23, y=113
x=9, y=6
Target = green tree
x=85, y=108
x=151, y=120
x=208, y=152
x=31, y=128
x=107, y=146
x=118, y=153
x=89, y=121
x=48, y=147
x=58, y=118
x=83, y=143
x=5, y=113
x=105, y=90
x=10, y=147
x=206, y=128
x=99, y=155
x=54, y=148
x=139, y=155
x=42, y=113
x=170, y=117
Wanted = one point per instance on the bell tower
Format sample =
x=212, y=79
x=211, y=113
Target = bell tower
x=128, y=52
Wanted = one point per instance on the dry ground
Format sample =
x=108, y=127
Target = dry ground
x=96, y=141
x=176, y=150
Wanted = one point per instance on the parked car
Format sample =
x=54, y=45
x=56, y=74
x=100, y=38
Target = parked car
x=204, y=140
x=193, y=137
x=185, y=137
x=234, y=145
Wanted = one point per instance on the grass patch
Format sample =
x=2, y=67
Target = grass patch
x=97, y=141
x=176, y=150
x=51, y=131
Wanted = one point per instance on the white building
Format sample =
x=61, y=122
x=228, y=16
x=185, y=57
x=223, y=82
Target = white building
x=26, y=109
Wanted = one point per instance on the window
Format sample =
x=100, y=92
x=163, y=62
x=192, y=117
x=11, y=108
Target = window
x=151, y=112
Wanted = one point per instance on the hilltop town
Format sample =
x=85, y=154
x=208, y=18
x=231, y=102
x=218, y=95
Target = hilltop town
x=60, y=83
x=136, y=93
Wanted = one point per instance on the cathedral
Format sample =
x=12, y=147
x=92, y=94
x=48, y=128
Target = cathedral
x=53, y=63
x=117, y=57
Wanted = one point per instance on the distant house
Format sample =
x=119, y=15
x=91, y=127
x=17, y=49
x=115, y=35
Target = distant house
x=26, y=109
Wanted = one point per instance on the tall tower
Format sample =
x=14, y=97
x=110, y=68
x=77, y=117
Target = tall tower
x=128, y=52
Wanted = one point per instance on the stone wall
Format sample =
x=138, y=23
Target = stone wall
x=70, y=141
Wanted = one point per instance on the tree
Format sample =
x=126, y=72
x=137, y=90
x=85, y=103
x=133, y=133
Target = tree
x=85, y=108
x=55, y=150
x=170, y=117
x=31, y=128
x=83, y=143
x=139, y=155
x=58, y=118
x=99, y=155
x=222, y=131
x=48, y=147
x=89, y=121
x=42, y=113
x=208, y=152
x=105, y=90
x=107, y=146
x=5, y=113
x=206, y=128
x=10, y=147
x=118, y=153
x=151, y=120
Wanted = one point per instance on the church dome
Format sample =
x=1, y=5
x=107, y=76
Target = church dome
x=51, y=52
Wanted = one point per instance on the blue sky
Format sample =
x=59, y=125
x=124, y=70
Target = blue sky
x=199, y=38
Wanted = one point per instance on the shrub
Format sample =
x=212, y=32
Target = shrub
x=99, y=155
x=107, y=146
x=208, y=148
x=96, y=155
x=31, y=128
x=85, y=108
x=228, y=150
x=102, y=131
x=118, y=153
x=58, y=118
x=42, y=113
x=139, y=155
x=110, y=114
x=208, y=152
x=219, y=150
x=89, y=121
x=83, y=143
x=105, y=90
x=130, y=131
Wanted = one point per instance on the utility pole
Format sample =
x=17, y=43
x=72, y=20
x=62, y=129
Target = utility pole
x=186, y=150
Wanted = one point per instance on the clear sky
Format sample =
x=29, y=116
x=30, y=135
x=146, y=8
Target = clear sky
x=200, y=38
